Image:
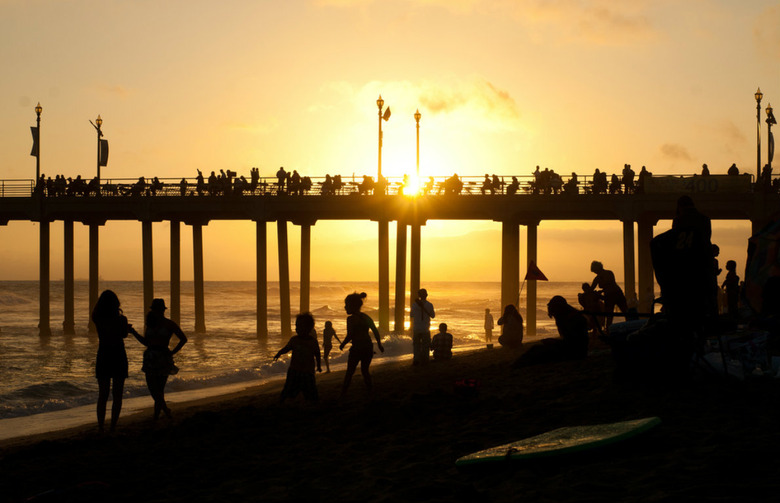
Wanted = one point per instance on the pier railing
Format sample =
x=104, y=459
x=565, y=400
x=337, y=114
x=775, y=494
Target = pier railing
x=357, y=185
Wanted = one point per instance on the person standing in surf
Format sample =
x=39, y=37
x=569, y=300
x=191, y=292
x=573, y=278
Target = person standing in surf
x=362, y=349
x=421, y=313
x=111, y=363
x=158, y=358
x=305, y=353
x=328, y=333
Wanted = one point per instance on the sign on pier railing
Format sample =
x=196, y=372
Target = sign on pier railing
x=709, y=184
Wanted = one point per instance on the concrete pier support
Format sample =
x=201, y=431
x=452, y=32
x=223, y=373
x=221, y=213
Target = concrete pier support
x=530, y=287
x=175, y=301
x=94, y=271
x=400, y=278
x=414, y=265
x=197, y=262
x=646, y=278
x=384, y=276
x=262, y=281
x=510, y=264
x=69, y=323
x=628, y=262
x=44, y=329
x=284, y=278
x=305, y=283
x=148, y=262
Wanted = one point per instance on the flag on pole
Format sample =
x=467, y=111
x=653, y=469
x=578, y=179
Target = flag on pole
x=34, y=131
x=104, y=152
x=771, y=146
x=386, y=116
x=534, y=273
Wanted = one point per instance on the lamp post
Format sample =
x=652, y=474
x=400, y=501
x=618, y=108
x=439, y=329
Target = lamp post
x=380, y=103
x=38, y=110
x=770, y=120
x=758, y=96
x=98, y=124
x=417, y=116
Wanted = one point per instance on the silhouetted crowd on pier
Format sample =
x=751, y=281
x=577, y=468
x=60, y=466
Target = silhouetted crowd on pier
x=230, y=183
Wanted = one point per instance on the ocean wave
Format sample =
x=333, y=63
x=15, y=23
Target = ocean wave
x=8, y=299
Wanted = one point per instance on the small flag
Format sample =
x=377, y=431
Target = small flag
x=104, y=152
x=534, y=273
x=35, y=148
x=386, y=116
x=771, y=146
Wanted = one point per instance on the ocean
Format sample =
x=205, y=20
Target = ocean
x=40, y=375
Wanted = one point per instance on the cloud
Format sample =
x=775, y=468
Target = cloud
x=115, y=91
x=675, y=152
x=603, y=22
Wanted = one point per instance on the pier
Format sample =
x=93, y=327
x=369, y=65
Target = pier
x=721, y=197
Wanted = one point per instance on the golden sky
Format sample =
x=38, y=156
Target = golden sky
x=502, y=86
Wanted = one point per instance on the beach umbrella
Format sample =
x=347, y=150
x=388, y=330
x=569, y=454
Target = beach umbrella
x=763, y=262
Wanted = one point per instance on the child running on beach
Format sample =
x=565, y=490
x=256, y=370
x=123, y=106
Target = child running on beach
x=305, y=352
x=362, y=350
x=327, y=336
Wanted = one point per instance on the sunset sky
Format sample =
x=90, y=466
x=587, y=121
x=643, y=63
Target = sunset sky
x=502, y=86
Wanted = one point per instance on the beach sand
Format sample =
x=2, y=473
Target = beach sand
x=717, y=441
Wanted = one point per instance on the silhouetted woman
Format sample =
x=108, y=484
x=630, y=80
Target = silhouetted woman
x=112, y=328
x=158, y=358
x=511, y=327
x=362, y=350
x=611, y=291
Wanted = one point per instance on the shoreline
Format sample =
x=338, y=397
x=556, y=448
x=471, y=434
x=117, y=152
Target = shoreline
x=715, y=442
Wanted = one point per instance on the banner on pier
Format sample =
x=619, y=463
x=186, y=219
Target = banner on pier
x=34, y=131
x=104, y=152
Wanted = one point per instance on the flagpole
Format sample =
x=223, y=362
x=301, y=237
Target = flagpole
x=38, y=110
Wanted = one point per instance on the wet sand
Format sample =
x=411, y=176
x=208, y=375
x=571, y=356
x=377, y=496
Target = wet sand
x=717, y=441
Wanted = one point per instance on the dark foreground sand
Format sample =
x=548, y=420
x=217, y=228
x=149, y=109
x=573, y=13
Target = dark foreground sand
x=717, y=442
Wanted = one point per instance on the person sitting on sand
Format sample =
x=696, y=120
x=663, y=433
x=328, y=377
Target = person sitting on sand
x=441, y=345
x=305, y=352
x=572, y=343
x=362, y=349
x=328, y=333
x=158, y=358
x=592, y=301
x=511, y=327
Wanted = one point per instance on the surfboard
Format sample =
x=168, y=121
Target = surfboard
x=561, y=441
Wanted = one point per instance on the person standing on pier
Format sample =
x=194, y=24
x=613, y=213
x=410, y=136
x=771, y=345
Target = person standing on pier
x=281, y=176
x=158, y=358
x=112, y=328
x=422, y=313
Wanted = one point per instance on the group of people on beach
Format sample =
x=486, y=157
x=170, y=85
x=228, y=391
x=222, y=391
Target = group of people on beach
x=306, y=357
x=112, y=364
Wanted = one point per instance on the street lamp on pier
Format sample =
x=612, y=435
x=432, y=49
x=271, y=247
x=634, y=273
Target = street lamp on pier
x=417, y=116
x=37, y=141
x=386, y=116
x=758, y=96
x=770, y=120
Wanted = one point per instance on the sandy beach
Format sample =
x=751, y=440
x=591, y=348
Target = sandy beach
x=717, y=441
